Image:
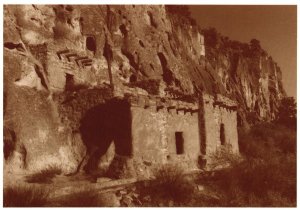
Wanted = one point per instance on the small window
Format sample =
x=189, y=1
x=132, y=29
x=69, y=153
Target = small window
x=222, y=134
x=91, y=44
x=179, y=143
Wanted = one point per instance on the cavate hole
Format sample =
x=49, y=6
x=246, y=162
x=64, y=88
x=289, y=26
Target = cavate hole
x=91, y=44
x=69, y=8
x=11, y=46
x=141, y=43
x=151, y=66
x=69, y=81
x=133, y=78
x=69, y=21
x=123, y=30
x=152, y=22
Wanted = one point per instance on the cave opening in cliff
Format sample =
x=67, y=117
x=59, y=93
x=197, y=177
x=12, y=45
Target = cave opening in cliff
x=179, y=143
x=91, y=44
x=222, y=134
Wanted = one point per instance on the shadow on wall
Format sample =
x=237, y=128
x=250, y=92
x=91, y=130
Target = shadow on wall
x=104, y=124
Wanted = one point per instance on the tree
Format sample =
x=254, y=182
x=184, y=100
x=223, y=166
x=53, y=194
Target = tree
x=181, y=11
x=287, y=112
x=211, y=37
x=255, y=44
x=255, y=48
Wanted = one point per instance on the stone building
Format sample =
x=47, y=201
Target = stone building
x=138, y=131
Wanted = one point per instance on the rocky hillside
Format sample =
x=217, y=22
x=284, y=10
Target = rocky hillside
x=141, y=48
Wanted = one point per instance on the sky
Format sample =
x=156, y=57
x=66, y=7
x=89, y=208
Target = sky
x=274, y=26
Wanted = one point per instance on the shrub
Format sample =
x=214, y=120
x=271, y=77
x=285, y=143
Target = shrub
x=287, y=112
x=25, y=197
x=267, y=175
x=265, y=139
x=182, y=12
x=223, y=157
x=170, y=183
x=45, y=175
x=252, y=183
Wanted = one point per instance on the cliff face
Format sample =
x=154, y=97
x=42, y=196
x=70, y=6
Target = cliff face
x=135, y=48
x=246, y=73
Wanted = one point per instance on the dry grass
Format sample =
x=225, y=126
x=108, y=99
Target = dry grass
x=171, y=184
x=25, y=197
x=223, y=157
x=45, y=175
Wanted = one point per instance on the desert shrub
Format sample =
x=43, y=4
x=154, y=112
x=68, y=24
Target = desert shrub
x=287, y=112
x=267, y=175
x=253, y=183
x=45, y=175
x=223, y=157
x=267, y=138
x=25, y=197
x=170, y=183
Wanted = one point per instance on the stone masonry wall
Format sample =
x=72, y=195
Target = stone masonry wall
x=219, y=110
x=154, y=124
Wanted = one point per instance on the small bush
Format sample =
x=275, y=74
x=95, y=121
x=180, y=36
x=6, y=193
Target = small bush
x=44, y=176
x=170, y=183
x=267, y=175
x=223, y=157
x=25, y=197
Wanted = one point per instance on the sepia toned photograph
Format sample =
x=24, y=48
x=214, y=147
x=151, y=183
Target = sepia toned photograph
x=149, y=105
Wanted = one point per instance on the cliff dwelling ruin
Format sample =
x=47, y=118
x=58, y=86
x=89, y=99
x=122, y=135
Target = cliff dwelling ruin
x=120, y=89
x=127, y=130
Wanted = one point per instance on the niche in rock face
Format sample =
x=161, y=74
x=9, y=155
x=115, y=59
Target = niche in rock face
x=91, y=44
x=104, y=124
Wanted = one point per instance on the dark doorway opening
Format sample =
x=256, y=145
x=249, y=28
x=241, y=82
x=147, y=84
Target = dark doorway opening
x=222, y=134
x=179, y=142
x=91, y=44
x=69, y=81
x=104, y=124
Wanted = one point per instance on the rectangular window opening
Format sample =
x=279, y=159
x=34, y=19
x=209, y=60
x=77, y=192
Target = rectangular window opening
x=222, y=134
x=179, y=143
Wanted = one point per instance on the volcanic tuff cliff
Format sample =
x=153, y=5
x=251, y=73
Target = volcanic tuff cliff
x=144, y=47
